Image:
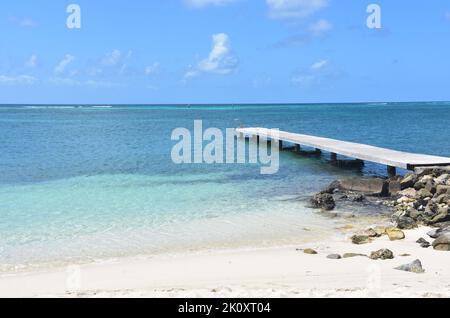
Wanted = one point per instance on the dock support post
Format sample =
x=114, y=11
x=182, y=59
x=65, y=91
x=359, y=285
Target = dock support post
x=333, y=156
x=392, y=171
x=318, y=151
x=280, y=142
x=298, y=148
x=257, y=139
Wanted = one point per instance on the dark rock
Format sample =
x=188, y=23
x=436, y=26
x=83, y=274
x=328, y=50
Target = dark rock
x=323, y=201
x=372, y=186
x=382, y=254
x=406, y=223
x=334, y=256
x=360, y=239
x=408, y=181
x=359, y=198
x=442, y=243
x=442, y=215
x=414, y=267
x=423, y=243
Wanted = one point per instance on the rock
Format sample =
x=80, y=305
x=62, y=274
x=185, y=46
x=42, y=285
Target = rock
x=423, y=243
x=371, y=233
x=406, y=223
x=442, y=189
x=350, y=255
x=360, y=239
x=431, y=187
x=443, y=198
x=414, y=267
x=422, y=171
x=443, y=179
x=323, y=201
x=442, y=215
x=332, y=187
x=309, y=251
x=409, y=193
x=380, y=230
x=368, y=185
x=359, y=198
x=405, y=255
x=382, y=254
x=334, y=256
x=415, y=214
x=395, y=234
x=442, y=243
x=423, y=193
x=408, y=181
x=435, y=233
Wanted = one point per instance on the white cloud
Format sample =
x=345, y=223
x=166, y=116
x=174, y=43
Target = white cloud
x=61, y=67
x=288, y=9
x=18, y=80
x=220, y=60
x=320, y=64
x=63, y=81
x=312, y=75
x=32, y=61
x=320, y=27
x=152, y=69
x=112, y=59
x=206, y=3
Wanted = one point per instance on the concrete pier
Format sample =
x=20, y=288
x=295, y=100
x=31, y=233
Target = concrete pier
x=391, y=158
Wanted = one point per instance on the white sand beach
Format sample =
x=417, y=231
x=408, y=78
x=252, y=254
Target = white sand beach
x=268, y=272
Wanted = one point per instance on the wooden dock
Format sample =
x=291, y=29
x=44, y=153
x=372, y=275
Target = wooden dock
x=391, y=158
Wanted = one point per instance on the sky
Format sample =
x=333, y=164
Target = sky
x=223, y=51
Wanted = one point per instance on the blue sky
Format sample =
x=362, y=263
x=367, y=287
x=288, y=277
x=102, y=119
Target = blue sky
x=223, y=51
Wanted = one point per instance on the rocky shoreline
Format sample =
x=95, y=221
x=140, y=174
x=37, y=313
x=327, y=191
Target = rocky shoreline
x=419, y=198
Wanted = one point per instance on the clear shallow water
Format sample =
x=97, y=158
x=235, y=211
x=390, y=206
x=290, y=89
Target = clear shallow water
x=80, y=183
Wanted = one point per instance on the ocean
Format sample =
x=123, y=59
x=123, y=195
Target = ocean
x=80, y=183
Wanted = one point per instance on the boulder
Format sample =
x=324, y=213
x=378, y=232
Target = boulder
x=408, y=181
x=443, y=198
x=395, y=234
x=423, y=193
x=442, y=243
x=443, y=179
x=382, y=254
x=406, y=223
x=408, y=192
x=442, y=215
x=323, y=201
x=414, y=267
x=372, y=186
x=360, y=239
x=442, y=189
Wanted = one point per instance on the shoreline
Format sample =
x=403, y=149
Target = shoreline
x=283, y=271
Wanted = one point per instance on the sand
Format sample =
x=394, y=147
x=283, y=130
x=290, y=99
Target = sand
x=267, y=272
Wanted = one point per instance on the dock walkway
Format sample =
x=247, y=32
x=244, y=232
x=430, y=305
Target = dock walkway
x=392, y=158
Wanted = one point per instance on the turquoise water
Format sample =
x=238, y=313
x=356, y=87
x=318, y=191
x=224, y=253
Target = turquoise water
x=79, y=183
